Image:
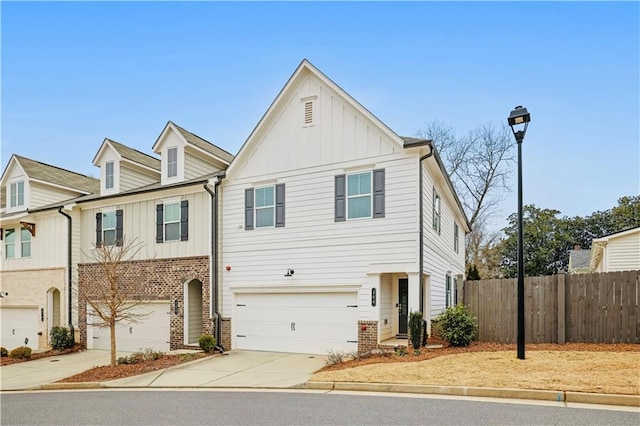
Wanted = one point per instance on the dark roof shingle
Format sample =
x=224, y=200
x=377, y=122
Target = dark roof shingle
x=58, y=176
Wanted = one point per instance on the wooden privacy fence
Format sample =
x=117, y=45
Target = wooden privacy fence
x=591, y=308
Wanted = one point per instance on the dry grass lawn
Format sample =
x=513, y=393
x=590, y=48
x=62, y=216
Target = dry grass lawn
x=579, y=371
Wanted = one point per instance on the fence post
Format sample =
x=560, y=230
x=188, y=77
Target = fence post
x=561, y=277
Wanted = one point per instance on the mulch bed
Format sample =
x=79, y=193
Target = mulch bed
x=8, y=361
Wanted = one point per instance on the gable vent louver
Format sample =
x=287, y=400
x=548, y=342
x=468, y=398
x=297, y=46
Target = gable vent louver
x=308, y=112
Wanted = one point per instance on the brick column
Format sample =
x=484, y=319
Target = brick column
x=225, y=333
x=367, y=336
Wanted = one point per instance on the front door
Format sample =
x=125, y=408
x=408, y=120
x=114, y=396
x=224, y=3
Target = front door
x=403, y=306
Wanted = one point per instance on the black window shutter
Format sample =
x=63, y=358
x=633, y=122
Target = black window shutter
x=159, y=223
x=378, y=193
x=280, y=205
x=98, y=230
x=119, y=228
x=184, y=220
x=248, y=209
x=1, y=234
x=340, y=198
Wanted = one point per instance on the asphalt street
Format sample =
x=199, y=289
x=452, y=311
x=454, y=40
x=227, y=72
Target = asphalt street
x=172, y=407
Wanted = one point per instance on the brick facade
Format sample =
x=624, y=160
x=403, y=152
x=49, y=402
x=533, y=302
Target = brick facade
x=162, y=279
x=367, y=336
x=225, y=333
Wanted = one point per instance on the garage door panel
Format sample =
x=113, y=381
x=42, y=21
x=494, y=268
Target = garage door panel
x=151, y=331
x=18, y=324
x=303, y=323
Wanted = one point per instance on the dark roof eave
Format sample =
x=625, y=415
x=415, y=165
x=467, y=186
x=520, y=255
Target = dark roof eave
x=416, y=143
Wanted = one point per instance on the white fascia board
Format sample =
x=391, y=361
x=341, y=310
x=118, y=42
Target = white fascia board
x=105, y=144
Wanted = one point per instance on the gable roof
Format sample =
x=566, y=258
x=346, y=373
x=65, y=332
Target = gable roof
x=47, y=173
x=136, y=156
x=618, y=234
x=196, y=141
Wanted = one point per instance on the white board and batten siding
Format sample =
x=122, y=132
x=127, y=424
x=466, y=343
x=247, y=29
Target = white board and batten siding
x=139, y=221
x=440, y=257
x=321, y=251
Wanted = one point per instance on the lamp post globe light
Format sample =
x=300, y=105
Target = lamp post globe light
x=519, y=121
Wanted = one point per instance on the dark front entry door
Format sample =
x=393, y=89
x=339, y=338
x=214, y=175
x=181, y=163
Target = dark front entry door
x=403, y=305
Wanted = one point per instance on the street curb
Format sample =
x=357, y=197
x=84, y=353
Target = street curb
x=68, y=386
x=544, y=395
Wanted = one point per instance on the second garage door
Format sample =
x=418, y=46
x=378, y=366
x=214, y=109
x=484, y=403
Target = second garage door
x=297, y=322
x=152, y=331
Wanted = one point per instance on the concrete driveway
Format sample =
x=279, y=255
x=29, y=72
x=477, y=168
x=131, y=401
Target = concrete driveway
x=25, y=375
x=242, y=369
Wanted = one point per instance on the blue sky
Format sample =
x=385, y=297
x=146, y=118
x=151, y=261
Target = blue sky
x=75, y=73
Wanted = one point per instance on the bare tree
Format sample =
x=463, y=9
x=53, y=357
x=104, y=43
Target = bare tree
x=112, y=298
x=479, y=165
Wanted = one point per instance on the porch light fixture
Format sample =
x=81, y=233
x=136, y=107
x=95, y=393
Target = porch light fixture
x=519, y=117
x=289, y=273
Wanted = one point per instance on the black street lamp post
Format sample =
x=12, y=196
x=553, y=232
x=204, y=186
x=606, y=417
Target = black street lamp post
x=520, y=116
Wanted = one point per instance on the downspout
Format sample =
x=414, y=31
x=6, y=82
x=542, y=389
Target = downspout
x=214, y=258
x=69, y=261
x=421, y=251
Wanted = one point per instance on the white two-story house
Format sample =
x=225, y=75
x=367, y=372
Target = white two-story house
x=165, y=206
x=334, y=227
x=39, y=248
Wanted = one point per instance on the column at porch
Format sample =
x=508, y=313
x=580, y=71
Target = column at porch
x=414, y=291
x=369, y=318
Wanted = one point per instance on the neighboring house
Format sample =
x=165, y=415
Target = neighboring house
x=37, y=257
x=165, y=206
x=334, y=227
x=579, y=260
x=619, y=251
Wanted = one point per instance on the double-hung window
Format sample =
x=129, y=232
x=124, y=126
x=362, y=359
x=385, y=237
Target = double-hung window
x=172, y=162
x=172, y=222
x=359, y=195
x=10, y=243
x=108, y=175
x=436, y=211
x=16, y=194
x=109, y=228
x=265, y=207
x=14, y=247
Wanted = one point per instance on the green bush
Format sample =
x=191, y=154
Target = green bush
x=21, y=352
x=3, y=351
x=457, y=325
x=61, y=338
x=207, y=343
x=415, y=328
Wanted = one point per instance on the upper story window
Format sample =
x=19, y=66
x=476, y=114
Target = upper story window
x=359, y=195
x=109, y=228
x=15, y=247
x=436, y=211
x=108, y=175
x=16, y=194
x=456, y=243
x=172, y=221
x=172, y=162
x=264, y=207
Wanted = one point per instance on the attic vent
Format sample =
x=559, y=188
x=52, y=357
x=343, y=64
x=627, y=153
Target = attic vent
x=308, y=112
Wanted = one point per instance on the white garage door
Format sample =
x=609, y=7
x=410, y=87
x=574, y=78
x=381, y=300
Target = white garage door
x=19, y=324
x=303, y=323
x=152, y=331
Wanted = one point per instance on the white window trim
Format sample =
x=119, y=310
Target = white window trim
x=17, y=243
x=256, y=208
x=349, y=197
x=11, y=193
x=165, y=203
x=169, y=163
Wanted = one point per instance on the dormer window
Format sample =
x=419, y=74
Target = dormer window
x=108, y=180
x=172, y=162
x=16, y=194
